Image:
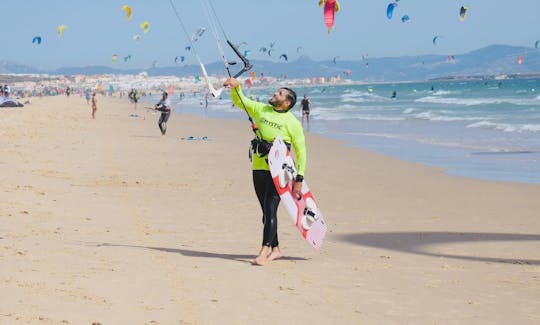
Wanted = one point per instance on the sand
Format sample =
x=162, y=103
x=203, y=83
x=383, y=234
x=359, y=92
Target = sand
x=108, y=221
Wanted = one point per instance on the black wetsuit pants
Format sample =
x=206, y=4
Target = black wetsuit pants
x=163, y=122
x=269, y=200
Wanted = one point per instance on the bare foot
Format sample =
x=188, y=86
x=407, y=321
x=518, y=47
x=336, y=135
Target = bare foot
x=274, y=255
x=262, y=258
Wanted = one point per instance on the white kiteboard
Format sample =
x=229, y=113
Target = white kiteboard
x=304, y=212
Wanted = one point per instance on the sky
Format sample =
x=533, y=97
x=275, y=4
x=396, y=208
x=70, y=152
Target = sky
x=97, y=29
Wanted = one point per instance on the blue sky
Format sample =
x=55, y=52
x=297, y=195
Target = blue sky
x=98, y=29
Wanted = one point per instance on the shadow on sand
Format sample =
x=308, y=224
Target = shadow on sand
x=419, y=242
x=203, y=254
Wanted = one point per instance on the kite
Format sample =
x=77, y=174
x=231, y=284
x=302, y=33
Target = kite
x=114, y=57
x=37, y=40
x=536, y=44
x=263, y=49
x=334, y=59
x=463, y=12
x=298, y=49
x=241, y=43
x=181, y=57
x=284, y=56
x=137, y=37
x=390, y=9
x=128, y=57
x=405, y=18
x=198, y=33
x=127, y=9
x=60, y=29
x=330, y=7
x=246, y=52
x=520, y=59
x=187, y=48
x=145, y=26
x=434, y=40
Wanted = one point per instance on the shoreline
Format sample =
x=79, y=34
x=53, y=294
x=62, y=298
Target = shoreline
x=107, y=221
x=454, y=161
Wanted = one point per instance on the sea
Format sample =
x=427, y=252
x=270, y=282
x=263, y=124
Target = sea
x=483, y=129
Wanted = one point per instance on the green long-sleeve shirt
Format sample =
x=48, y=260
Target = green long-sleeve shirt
x=272, y=123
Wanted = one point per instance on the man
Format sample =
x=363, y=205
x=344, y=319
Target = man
x=272, y=119
x=164, y=106
x=94, y=105
x=306, y=105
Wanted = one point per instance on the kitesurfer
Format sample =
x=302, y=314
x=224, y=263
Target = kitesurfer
x=164, y=106
x=272, y=119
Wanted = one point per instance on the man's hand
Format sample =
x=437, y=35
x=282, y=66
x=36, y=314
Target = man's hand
x=297, y=190
x=231, y=83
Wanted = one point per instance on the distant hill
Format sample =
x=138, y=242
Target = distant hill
x=491, y=60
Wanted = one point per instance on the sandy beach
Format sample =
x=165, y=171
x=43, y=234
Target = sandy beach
x=106, y=221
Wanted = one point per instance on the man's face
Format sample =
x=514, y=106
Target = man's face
x=279, y=100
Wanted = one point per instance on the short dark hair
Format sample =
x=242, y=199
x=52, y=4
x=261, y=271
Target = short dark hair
x=291, y=96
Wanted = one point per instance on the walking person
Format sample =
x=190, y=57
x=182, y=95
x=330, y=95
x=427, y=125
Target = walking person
x=165, y=107
x=273, y=119
x=305, y=104
x=94, y=105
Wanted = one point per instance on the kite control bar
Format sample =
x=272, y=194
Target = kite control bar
x=247, y=65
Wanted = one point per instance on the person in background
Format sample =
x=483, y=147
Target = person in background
x=165, y=107
x=305, y=104
x=94, y=105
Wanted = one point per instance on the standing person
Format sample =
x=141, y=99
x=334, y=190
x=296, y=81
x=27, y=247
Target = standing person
x=164, y=106
x=87, y=96
x=94, y=105
x=274, y=119
x=306, y=105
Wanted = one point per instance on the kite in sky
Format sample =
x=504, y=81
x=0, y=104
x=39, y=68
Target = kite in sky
x=390, y=9
x=434, y=40
x=114, y=57
x=60, y=29
x=284, y=56
x=330, y=7
x=145, y=26
x=37, y=40
x=463, y=12
x=181, y=57
x=198, y=33
x=127, y=9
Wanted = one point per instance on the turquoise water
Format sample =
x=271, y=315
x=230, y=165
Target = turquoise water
x=481, y=129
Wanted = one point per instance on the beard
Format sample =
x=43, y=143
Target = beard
x=274, y=102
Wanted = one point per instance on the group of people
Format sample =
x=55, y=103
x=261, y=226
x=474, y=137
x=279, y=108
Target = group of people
x=5, y=91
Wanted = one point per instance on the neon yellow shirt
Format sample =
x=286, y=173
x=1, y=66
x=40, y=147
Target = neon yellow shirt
x=272, y=123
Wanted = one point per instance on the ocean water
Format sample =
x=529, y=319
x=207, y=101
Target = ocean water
x=481, y=129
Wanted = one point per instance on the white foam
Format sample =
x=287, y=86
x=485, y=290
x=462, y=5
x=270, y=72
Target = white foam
x=505, y=127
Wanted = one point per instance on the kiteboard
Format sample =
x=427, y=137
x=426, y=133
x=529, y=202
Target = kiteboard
x=304, y=212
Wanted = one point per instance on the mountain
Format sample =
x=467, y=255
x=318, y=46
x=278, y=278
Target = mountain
x=487, y=61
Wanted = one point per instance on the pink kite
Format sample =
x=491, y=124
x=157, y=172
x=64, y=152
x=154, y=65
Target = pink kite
x=330, y=7
x=520, y=59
